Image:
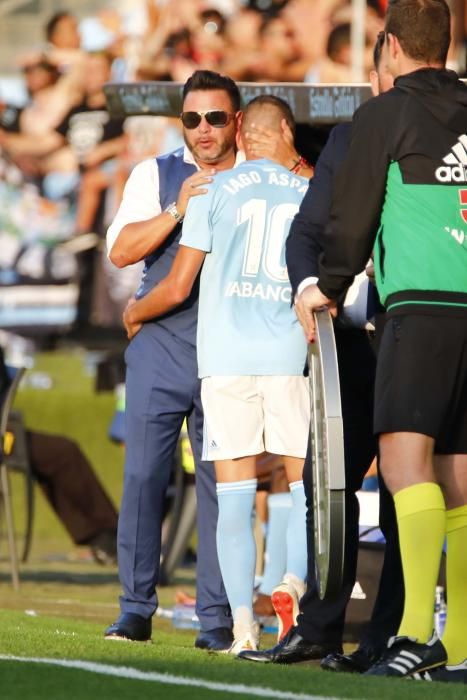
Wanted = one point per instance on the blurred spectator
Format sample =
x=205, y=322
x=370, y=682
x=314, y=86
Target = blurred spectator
x=174, y=17
x=96, y=140
x=104, y=32
x=336, y=65
x=51, y=93
x=182, y=41
x=159, y=66
x=311, y=23
x=50, y=97
x=242, y=44
x=62, y=32
x=93, y=136
x=208, y=39
x=259, y=40
x=278, y=50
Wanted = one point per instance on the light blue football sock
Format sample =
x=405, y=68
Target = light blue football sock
x=236, y=547
x=279, y=506
x=296, y=533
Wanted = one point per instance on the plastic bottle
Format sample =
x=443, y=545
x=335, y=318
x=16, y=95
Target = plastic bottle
x=440, y=611
x=184, y=617
x=269, y=624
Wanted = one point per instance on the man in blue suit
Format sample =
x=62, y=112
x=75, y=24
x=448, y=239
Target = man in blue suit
x=162, y=386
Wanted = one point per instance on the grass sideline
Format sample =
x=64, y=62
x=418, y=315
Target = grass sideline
x=172, y=652
x=65, y=603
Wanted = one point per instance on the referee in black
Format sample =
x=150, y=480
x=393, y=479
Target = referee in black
x=402, y=191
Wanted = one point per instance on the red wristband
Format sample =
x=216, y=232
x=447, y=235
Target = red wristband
x=299, y=164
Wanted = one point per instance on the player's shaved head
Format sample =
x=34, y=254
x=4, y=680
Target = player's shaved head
x=269, y=111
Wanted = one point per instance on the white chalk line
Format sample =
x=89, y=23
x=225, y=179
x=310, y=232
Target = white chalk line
x=167, y=678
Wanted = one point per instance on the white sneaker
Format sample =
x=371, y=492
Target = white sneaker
x=285, y=599
x=247, y=643
x=245, y=632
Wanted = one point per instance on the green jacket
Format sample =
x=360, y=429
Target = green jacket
x=405, y=178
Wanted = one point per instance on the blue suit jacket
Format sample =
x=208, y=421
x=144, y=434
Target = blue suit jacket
x=304, y=243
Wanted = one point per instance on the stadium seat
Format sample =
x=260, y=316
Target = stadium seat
x=10, y=456
x=17, y=460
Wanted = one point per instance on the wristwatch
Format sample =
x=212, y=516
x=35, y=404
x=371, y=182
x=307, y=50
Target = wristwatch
x=173, y=211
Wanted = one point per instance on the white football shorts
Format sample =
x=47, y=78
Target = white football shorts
x=246, y=415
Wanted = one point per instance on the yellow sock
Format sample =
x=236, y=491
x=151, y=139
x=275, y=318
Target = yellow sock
x=421, y=518
x=455, y=632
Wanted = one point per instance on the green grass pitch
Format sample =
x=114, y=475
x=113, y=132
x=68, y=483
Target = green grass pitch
x=65, y=602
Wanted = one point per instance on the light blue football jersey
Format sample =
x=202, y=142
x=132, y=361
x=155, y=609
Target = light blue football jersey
x=246, y=325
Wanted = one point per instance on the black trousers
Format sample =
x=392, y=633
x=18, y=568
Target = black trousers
x=70, y=485
x=323, y=620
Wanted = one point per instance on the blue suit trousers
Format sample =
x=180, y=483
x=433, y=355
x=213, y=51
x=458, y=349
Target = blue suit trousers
x=162, y=389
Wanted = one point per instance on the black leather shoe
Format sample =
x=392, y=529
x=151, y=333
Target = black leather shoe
x=131, y=627
x=292, y=649
x=358, y=661
x=218, y=639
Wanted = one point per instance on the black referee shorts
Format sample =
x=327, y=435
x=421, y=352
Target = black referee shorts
x=421, y=380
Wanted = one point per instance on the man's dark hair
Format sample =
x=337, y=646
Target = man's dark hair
x=281, y=105
x=209, y=80
x=53, y=21
x=423, y=28
x=378, y=49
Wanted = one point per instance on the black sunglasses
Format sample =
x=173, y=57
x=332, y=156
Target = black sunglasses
x=214, y=117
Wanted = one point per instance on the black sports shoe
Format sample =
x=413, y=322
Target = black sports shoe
x=445, y=674
x=405, y=656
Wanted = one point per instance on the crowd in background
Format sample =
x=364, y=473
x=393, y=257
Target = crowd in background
x=68, y=152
